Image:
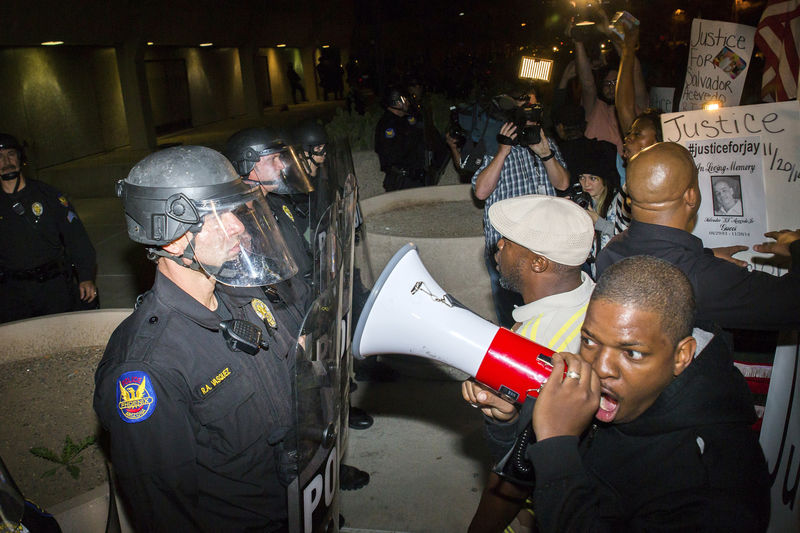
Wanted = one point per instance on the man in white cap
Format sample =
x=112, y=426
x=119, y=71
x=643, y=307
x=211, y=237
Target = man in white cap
x=544, y=241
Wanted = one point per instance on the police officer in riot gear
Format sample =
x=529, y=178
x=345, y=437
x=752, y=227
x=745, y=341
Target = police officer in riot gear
x=263, y=157
x=195, y=387
x=400, y=144
x=312, y=139
x=41, y=239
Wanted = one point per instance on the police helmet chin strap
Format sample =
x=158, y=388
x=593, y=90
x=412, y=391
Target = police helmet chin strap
x=315, y=153
x=280, y=184
x=8, y=176
x=188, y=253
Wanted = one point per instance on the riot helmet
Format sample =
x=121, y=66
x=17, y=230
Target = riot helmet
x=194, y=191
x=9, y=142
x=313, y=139
x=264, y=157
x=394, y=98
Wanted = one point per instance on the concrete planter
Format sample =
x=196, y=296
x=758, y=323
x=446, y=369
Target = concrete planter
x=28, y=338
x=455, y=263
x=24, y=339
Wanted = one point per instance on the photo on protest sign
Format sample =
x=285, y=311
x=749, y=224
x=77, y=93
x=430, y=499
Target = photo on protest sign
x=730, y=177
x=729, y=62
x=719, y=55
x=748, y=169
x=727, y=195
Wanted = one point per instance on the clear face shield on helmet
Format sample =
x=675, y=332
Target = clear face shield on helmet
x=285, y=172
x=239, y=243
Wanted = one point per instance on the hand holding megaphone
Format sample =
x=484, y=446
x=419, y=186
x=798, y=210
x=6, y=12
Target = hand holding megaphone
x=485, y=399
x=407, y=312
x=566, y=406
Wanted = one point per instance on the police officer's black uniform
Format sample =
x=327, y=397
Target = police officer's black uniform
x=41, y=237
x=400, y=145
x=292, y=225
x=197, y=430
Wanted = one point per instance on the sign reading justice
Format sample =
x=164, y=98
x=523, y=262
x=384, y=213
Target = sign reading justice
x=719, y=55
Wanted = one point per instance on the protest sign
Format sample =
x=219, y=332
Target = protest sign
x=748, y=163
x=661, y=98
x=719, y=55
x=780, y=435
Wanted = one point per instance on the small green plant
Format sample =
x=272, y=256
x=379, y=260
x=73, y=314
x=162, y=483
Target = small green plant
x=359, y=130
x=69, y=455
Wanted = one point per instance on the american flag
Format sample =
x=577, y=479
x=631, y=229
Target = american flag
x=778, y=37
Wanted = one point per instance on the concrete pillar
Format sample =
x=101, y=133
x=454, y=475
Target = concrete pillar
x=308, y=58
x=247, y=58
x=135, y=95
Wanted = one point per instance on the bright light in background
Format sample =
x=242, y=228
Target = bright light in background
x=326, y=46
x=205, y=44
x=602, y=45
x=523, y=24
x=150, y=43
x=282, y=45
x=52, y=43
x=532, y=68
x=711, y=106
x=461, y=14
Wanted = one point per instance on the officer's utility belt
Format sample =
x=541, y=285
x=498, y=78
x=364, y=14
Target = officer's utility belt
x=41, y=273
x=403, y=178
x=407, y=171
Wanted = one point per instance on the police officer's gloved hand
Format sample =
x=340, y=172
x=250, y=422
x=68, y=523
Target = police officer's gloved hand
x=286, y=457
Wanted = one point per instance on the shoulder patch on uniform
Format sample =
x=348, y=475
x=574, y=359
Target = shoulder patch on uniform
x=263, y=312
x=136, y=397
x=412, y=120
x=37, y=209
x=288, y=212
x=389, y=133
x=71, y=216
x=63, y=200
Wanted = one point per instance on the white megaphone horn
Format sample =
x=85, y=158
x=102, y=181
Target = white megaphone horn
x=407, y=312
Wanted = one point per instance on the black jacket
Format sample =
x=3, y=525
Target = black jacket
x=399, y=143
x=729, y=295
x=196, y=438
x=690, y=462
x=46, y=230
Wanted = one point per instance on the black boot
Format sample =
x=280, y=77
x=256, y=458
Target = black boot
x=359, y=418
x=351, y=478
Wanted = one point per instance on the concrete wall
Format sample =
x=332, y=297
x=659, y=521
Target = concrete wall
x=65, y=102
x=214, y=81
x=277, y=59
x=215, y=84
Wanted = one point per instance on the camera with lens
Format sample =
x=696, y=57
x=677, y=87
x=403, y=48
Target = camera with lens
x=528, y=120
x=455, y=130
x=578, y=195
x=528, y=133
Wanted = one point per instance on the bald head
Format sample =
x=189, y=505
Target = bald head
x=662, y=185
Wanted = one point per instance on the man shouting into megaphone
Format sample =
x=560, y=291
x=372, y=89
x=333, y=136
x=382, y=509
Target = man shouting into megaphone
x=649, y=429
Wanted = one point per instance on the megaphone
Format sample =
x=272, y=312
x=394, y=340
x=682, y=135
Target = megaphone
x=408, y=313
